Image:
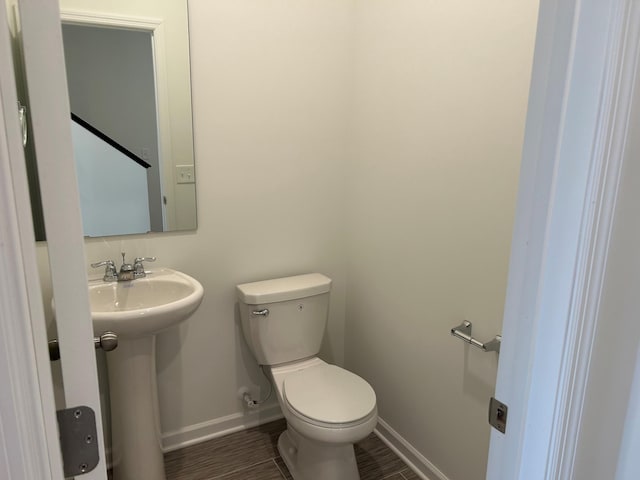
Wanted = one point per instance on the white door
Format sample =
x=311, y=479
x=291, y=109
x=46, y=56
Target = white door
x=27, y=420
x=48, y=109
x=582, y=84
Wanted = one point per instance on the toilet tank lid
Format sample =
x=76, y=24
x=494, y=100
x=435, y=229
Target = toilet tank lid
x=283, y=289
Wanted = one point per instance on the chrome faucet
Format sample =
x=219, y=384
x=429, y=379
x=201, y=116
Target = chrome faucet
x=138, y=267
x=110, y=272
x=127, y=271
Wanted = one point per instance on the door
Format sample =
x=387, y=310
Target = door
x=49, y=113
x=28, y=423
x=582, y=85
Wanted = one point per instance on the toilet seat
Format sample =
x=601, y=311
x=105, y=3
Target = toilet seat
x=329, y=396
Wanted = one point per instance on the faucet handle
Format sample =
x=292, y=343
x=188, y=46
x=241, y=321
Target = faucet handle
x=138, y=267
x=110, y=273
x=103, y=263
x=144, y=259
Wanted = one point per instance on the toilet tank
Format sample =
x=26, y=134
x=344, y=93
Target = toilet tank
x=284, y=319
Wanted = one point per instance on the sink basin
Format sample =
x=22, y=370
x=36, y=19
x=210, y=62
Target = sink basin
x=144, y=306
x=136, y=311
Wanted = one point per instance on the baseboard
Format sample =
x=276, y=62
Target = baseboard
x=414, y=459
x=219, y=427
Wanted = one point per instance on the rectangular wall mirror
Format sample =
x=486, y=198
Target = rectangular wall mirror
x=128, y=74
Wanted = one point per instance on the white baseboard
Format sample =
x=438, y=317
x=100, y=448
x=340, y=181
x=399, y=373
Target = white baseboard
x=219, y=427
x=414, y=459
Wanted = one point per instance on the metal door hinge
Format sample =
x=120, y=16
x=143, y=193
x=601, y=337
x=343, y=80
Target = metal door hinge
x=498, y=415
x=78, y=440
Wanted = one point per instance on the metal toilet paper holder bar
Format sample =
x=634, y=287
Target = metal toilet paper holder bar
x=463, y=332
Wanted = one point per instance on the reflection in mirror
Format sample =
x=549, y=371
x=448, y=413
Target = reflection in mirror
x=129, y=90
x=110, y=74
x=112, y=96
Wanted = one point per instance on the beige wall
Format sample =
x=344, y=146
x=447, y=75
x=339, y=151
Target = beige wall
x=440, y=99
x=270, y=107
x=376, y=138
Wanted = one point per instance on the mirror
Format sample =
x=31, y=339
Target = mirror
x=130, y=95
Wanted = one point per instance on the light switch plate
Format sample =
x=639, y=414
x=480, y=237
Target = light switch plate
x=185, y=174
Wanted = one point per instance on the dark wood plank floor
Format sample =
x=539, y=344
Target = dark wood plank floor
x=253, y=455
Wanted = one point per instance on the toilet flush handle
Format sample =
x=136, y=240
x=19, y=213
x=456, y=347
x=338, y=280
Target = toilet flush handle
x=260, y=313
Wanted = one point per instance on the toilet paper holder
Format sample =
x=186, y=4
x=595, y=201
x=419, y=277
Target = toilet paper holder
x=463, y=332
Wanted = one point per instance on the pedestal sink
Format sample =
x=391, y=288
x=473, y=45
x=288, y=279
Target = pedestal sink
x=137, y=310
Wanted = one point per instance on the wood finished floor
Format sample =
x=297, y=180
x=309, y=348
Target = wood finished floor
x=253, y=455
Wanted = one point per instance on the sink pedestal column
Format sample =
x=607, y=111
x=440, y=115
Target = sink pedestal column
x=135, y=422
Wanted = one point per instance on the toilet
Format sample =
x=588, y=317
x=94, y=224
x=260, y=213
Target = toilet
x=327, y=408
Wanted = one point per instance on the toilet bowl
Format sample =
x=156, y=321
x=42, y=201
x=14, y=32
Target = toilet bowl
x=327, y=408
x=325, y=402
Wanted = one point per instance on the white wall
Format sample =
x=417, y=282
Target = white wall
x=440, y=98
x=377, y=136
x=269, y=102
x=113, y=188
x=270, y=109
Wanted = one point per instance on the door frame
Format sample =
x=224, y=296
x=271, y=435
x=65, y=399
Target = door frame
x=581, y=90
x=565, y=205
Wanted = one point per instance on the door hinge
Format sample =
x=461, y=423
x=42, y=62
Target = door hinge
x=498, y=415
x=78, y=440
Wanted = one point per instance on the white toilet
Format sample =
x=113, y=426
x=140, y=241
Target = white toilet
x=327, y=408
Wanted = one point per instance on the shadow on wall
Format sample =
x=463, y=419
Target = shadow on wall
x=170, y=343
x=474, y=376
